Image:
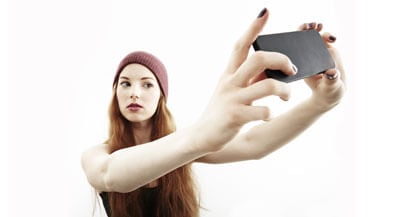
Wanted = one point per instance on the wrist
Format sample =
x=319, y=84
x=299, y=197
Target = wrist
x=320, y=106
x=197, y=141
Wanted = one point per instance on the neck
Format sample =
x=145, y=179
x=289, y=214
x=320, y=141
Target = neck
x=142, y=131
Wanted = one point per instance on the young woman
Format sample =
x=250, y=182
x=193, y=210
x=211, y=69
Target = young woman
x=144, y=168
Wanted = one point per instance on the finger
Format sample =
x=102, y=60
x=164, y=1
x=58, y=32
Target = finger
x=311, y=26
x=333, y=79
x=267, y=87
x=307, y=26
x=259, y=62
x=319, y=27
x=328, y=38
x=242, y=46
x=331, y=75
x=303, y=26
x=250, y=113
x=312, y=80
x=259, y=77
x=338, y=63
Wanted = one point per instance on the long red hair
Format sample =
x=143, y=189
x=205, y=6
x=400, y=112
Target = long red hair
x=177, y=192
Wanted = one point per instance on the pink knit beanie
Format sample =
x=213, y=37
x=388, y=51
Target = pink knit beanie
x=151, y=62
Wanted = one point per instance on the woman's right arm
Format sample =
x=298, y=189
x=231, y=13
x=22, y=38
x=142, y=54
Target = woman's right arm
x=228, y=110
x=130, y=168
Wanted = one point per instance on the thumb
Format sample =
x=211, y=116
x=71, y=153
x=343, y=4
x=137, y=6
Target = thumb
x=331, y=76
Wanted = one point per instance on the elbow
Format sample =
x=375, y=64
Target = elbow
x=104, y=174
x=111, y=182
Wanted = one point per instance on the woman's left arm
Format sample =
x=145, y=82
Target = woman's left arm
x=261, y=140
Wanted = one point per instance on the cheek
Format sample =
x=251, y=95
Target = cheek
x=155, y=104
x=155, y=100
x=121, y=97
x=121, y=93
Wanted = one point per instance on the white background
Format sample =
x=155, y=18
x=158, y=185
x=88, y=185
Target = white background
x=61, y=60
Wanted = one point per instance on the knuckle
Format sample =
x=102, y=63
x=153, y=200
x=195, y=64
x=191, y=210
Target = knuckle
x=265, y=113
x=285, y=59
x=272, y=60
x=278, y=60
x=271, y=86
x=236, y=116
x=239, y=45
x=278, y=88
x=258, y=56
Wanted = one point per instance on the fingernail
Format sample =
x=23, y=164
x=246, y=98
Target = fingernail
x=332, y=38
x=332, y=77
x=294, y=67
x=262, y=13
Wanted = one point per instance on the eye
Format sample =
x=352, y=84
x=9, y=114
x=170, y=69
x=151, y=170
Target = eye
x=148, y=85
x=125, y=84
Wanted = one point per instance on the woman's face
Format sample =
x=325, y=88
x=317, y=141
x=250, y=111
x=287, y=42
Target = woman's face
x=138, y=93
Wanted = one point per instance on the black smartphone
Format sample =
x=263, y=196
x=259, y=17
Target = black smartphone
x=306, y=50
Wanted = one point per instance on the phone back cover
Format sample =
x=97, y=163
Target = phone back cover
x=306, y=50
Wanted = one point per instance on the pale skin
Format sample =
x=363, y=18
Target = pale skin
x=215, y=137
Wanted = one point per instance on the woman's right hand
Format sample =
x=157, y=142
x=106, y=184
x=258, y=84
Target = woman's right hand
x=242, y=83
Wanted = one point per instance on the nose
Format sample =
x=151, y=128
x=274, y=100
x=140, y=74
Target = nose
x=135, y=92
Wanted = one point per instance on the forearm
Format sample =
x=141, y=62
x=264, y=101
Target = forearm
x=131, y=168
x=267, y=137
x=279, y=131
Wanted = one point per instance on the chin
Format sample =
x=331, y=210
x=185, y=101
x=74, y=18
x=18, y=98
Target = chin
x=135, y=118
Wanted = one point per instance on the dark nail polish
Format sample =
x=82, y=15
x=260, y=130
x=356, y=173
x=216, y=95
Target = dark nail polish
x=262, y=12
x=332, y=77
x=332, y=38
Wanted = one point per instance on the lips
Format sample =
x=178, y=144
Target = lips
x=134, y=106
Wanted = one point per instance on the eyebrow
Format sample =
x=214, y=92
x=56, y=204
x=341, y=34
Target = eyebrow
x=143, y=78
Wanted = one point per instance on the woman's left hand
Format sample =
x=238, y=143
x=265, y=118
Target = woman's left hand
x=329, y=87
